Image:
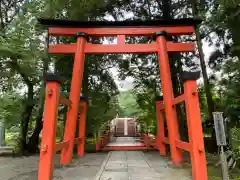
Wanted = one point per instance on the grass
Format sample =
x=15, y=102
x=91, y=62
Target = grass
x=215, y=172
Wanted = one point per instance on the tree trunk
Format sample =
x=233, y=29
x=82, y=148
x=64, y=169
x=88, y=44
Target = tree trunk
x=85, y=79
x=33, y=142
x=180, y=108
x=207, y=87
x=167, y=9
x=28, y=105
x=34, y=139
x=25, y=118
x=85, y=85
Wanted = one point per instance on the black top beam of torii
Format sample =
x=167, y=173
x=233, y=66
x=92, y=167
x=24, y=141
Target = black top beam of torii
x=115, y=24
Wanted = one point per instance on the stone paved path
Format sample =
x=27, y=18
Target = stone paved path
x=115, y=165
x=25, y=168
x=136, y=165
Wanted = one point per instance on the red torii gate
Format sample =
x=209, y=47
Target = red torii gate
x=157, y=28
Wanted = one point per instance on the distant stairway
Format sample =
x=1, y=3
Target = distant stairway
x=125, y=143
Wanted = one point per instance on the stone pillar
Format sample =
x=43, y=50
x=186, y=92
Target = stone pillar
x=2, y=134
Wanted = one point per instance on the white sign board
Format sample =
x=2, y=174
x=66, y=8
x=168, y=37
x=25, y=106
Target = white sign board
x=219, y=128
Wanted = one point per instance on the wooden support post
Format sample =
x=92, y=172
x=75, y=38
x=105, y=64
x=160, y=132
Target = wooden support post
x=82, y=129
x=98, y=147
x=160, y=130
x=197, y=152
x=104, y=140
x=146, y=141
x=120, y=39
x=170, y=110
x=98, y=142
x=47, y=151
x=76, y=84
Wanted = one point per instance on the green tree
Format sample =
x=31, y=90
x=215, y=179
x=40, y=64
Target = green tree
x=21, y=58
x=24, y=60
x=128, y=104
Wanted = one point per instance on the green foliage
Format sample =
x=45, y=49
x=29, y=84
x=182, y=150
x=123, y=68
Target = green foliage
x=128, y=104
x=146, y=101
x=23, y=61
x=101, y=111
x=139, y=104
x=229, y=90
x=10, y=109
x=98, y=85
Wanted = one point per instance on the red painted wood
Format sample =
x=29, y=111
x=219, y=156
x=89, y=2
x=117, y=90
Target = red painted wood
x=47, y=150
x=160, y=130
x=175, y=100
x=195, y=132
x=59, y=146
x=65, y=101
x=162, y=47
x=145, y=31
x=82, y=129
x=146, y=141
x=171, y=114
x=78, y=140
x=72, y=114
x=121, y=39
x=98, y=147
x=179, y=99
x=120, y=48
x=183, y=145
x=166, y=140
x=161, y=105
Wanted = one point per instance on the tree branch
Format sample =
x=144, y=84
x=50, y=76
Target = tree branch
x=16, y=11
x=13, y=7
x=149, y=10
x=159, y=4
x=1, y=17
x=26, y=79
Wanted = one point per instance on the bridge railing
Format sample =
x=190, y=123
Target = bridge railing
x=149, y=141
x=103, y=139
x=49, y=146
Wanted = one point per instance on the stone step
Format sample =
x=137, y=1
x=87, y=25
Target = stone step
x=6, y=150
